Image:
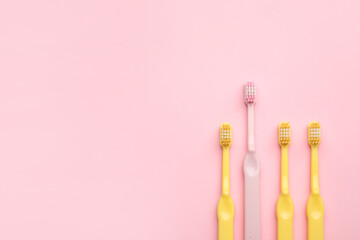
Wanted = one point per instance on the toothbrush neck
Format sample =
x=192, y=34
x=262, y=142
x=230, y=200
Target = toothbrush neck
x=226, y=172
x=251, y=130
x=314, y=170
x=284, y=170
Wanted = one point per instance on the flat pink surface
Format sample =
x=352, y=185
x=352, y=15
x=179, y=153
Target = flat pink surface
x=110, y=110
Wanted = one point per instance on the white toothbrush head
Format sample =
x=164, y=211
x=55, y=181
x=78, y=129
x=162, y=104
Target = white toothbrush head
x=250, y=92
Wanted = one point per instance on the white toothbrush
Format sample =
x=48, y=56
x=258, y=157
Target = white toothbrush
x=251, y=172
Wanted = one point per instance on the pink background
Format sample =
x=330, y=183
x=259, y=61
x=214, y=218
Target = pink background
x=109, y=114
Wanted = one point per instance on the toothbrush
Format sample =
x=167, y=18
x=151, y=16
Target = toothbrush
x=315, y=205
x=251, y=172
x=225, y=209
x=284, y=207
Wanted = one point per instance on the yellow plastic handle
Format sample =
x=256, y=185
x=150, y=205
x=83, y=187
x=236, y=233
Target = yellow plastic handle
x=285, y=229
x=285, y=206
x=315, y=205
x=226, y=229
x=226, y=206
x=315, y=229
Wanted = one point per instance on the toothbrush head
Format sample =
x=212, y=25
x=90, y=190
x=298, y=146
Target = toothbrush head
x=284, y=134
x=250, y=92
x=314, y=134
x=225, y=135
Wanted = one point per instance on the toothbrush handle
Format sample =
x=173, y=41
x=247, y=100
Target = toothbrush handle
x=316, y=228
x=252, y=207
x=285, y=229
x=226, y=229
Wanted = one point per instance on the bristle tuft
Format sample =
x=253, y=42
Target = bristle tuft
x=314, y=135
x=284, y=133
x=250, y=92
x=225, y=135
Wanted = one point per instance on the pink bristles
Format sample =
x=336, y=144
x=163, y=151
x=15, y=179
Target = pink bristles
x=250, y=92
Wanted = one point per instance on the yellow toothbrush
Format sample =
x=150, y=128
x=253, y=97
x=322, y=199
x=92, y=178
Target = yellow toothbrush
x=225, y=209
x=284, y=207
x=315, y=205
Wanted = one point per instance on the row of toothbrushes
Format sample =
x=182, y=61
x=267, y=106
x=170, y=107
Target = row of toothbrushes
x=315, y=206
x=284, y=208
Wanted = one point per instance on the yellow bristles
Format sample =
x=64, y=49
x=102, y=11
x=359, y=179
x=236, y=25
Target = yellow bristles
x=225, y=135
x=284, y=133
x=314, y=133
